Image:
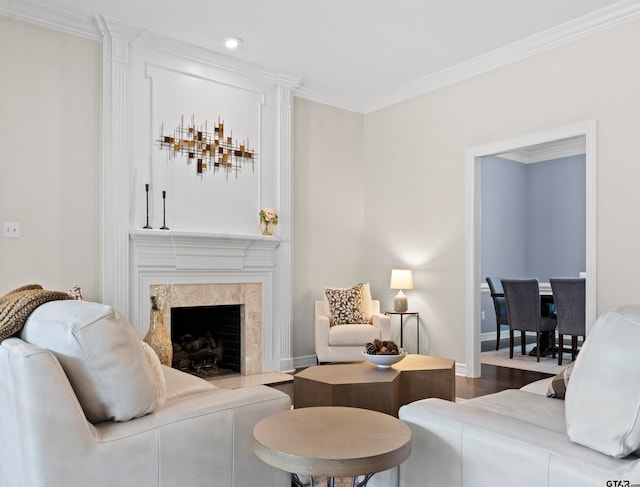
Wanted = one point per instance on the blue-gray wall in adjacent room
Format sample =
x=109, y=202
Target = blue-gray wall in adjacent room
x=504, y=217
x=533, y=221
x=557, y=218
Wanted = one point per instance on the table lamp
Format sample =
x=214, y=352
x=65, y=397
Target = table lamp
x=401, y=279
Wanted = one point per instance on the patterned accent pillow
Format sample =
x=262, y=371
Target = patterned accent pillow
x=558, y=386
x=346, y=305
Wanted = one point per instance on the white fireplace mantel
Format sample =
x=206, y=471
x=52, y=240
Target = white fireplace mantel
x=131, y=260
x=192, y=250
x=173, y=257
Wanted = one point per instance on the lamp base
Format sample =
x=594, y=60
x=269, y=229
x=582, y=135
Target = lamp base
x=400, y=303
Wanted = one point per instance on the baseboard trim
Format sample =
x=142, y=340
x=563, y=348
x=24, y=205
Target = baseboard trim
x=461, y=369
x=488, y=336
x=304, y=361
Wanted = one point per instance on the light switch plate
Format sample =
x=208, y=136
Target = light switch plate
x=11, y=229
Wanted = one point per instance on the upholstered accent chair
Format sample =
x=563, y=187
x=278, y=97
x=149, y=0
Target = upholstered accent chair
x=337, y=340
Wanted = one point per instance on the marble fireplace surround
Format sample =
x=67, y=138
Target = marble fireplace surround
x=210, y=269
x=249, y=296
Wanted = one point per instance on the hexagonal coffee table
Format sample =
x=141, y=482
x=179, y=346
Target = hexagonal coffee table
x=363, y=385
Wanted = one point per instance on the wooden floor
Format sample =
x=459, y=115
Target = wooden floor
x=494, y=379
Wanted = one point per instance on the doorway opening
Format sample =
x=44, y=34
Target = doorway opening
x=587, y=132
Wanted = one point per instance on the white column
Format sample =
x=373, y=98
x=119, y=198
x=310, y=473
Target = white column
x=114, y=262
x=284, y=273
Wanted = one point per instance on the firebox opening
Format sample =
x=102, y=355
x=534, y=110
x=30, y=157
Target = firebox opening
x=206, y=339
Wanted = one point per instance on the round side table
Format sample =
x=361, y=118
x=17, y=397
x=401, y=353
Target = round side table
x=332, y=442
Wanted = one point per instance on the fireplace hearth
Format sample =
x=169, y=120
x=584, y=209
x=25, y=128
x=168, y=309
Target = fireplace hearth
x=207, y=339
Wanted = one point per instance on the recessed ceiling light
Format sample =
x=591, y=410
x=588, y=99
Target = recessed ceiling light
x=232, y=43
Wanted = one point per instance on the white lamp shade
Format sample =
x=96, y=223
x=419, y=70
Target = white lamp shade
x=401, y=279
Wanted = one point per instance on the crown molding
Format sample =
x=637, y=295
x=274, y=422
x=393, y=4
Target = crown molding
x=581, y=27
x=111, y=28
x=287, y=81
x=326, y=98
x=50, y=17
x=572, y=146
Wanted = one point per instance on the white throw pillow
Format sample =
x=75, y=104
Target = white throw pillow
x=602, y=402
x=101, y=354
x=158, y=375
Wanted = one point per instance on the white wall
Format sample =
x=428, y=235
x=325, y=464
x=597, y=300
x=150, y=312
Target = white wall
x=415, y=152
x=49, y=158
x=328, y=195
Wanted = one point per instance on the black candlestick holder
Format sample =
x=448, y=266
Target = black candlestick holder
x=146, y=188
x=164, y=198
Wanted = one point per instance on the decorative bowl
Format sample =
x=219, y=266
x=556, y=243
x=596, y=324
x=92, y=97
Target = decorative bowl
x=385, y=361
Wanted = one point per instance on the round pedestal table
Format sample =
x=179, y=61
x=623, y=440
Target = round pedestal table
x=332, y=442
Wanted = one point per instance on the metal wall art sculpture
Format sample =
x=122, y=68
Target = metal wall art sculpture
x=208, y=150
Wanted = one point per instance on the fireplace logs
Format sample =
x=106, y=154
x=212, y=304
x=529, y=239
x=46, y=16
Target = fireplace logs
x=200, y=355
x=206, y=339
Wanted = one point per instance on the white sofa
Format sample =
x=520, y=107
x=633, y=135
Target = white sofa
x=150, y=425
x=522, y=437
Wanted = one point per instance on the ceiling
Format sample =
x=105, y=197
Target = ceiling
x=350, y=50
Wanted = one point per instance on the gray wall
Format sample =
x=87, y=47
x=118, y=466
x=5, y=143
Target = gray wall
x=556, y=226
x=533, y=221
x=504, y=217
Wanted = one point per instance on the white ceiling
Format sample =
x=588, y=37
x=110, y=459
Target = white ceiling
x=356, y=51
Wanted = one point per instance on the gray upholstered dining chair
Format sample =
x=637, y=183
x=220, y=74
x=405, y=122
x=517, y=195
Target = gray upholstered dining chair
x=499, y=304
x=524, y=313
x=569, y=298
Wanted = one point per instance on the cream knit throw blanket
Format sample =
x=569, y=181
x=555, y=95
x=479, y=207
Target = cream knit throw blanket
x=16, y=306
